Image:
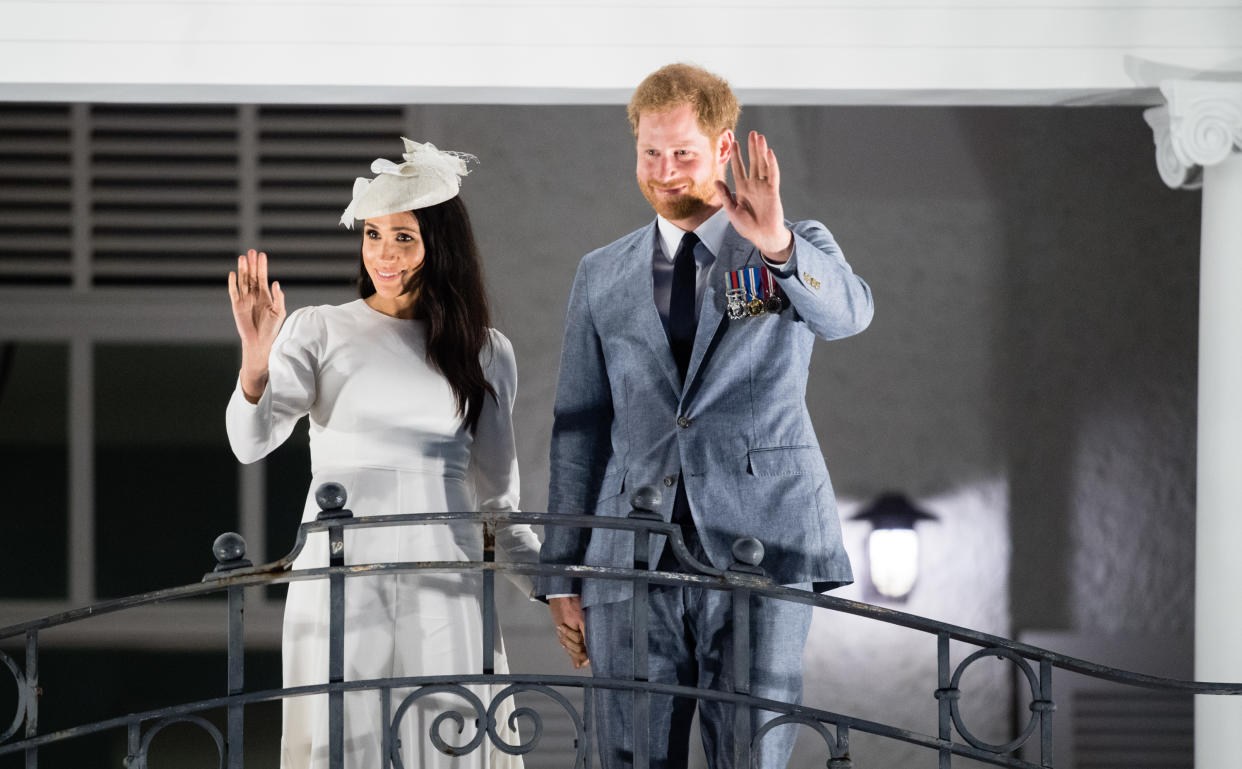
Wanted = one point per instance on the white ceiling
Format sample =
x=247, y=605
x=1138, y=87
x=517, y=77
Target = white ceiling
x=593, y=51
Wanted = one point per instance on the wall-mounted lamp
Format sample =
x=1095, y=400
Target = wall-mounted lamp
x=893, y=544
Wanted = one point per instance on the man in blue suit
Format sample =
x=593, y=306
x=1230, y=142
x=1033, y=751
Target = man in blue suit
x=685, y=360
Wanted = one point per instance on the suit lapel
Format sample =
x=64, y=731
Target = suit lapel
x=637, y=293
x=735, y=252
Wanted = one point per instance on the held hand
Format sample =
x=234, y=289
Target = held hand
x=755, y=208
x=258, y=312
x=570, y=628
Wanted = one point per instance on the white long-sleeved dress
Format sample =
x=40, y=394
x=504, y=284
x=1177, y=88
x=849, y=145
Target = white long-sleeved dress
x=384, y=424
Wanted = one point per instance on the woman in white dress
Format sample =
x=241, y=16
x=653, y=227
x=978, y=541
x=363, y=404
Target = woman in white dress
x=410, y=398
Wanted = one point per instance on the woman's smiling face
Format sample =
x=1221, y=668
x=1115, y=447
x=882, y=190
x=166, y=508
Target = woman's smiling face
x=392, y=251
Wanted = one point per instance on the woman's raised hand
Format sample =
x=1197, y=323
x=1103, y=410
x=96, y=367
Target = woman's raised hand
x=258, y=311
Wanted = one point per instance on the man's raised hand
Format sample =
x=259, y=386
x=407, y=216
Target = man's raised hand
x=754, y=206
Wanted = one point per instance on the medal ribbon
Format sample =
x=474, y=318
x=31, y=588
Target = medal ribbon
x=757, y=282
x=770, y=284
x=754, y=285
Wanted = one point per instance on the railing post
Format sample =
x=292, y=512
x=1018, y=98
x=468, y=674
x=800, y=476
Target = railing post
x=32, y=695
x=741, y=676
x=134, y=736
x=945, y=681
x=336, y=650
x=747, y=555
x=237, y=656
x=840, y=754
x=230, y=551
x=489, y=617
x=489, y=602
x=386, y=735
x=331, y=498
x=1045, y=707
x=588, y=718
x=643, y=504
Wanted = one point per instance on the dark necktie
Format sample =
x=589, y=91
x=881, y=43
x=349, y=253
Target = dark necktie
x=682, y=320
x=682, y=323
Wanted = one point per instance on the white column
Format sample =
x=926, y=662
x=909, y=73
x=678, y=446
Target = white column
x=1198, y=137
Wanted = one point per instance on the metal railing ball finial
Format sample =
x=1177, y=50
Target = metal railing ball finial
x=645, y=498
x=748, y=551
x=230, y=551
x=747, y=555
x=331, y=498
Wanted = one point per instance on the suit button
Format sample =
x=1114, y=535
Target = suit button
x=669, y=480
x=683, y=421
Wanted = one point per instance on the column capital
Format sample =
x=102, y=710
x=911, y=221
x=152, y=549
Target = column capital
x=1199, y=125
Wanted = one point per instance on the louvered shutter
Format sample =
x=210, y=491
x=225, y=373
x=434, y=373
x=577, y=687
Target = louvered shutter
x=36, y=168
x=164, y=193
x=169, y=194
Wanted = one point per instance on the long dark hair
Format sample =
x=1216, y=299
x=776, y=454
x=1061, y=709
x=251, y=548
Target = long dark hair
x=452, y=301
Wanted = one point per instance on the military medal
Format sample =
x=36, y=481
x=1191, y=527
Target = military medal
x=774, y=300
x=751, y=292
x=738, y=294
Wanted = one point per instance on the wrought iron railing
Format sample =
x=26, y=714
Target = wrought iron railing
x=744, y=579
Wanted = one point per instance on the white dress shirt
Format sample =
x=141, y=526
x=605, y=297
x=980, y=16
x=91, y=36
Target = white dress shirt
x=668, y=238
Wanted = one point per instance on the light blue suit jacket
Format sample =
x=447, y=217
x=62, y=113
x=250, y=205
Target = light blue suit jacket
x=748, y=453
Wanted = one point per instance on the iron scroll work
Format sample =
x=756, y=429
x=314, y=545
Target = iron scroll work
x=744, y=579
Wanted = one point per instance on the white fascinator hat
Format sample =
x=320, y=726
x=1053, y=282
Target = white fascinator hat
x=427, y=177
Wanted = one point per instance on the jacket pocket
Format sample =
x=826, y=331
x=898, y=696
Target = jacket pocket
x=785, y=460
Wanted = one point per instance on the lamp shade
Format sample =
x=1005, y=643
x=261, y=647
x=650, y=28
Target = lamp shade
x=893, y=544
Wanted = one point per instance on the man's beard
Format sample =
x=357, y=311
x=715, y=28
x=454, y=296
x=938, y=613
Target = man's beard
x=695, y=200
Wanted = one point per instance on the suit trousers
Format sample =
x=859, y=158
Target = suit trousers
x=690, y=643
